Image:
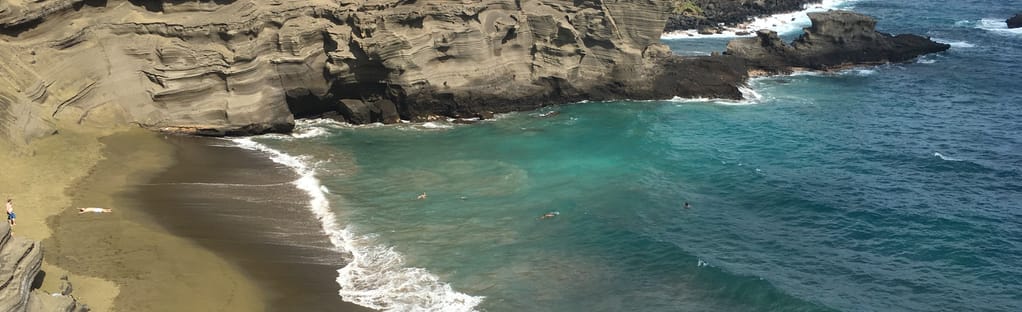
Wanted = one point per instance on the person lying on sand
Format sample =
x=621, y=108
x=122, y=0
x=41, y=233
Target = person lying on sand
x=94, y=209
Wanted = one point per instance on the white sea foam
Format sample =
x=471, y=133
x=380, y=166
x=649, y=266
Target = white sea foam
x=998, y=26
x=955, y=44
x=310, y=132
x=858, y=71
x=941, y=156
x=783, y=23
x=749, y=97
x=925, y=60
x=376, y=277
x=436, y=125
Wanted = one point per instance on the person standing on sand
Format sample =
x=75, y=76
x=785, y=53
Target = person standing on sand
x=10, y=212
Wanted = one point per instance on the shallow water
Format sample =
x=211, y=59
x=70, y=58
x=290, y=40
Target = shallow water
x=890, y=188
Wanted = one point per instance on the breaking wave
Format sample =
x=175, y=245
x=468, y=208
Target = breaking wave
x=376, y=277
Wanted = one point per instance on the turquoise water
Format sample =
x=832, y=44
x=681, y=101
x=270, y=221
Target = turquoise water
x=891, y=188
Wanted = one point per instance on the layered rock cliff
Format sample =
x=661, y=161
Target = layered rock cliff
x=836, y=39
x=251, y=66
x=20, y=260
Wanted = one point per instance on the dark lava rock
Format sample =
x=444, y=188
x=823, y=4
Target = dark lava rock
x=1015, y=21
x=714, y=13
x=836, y=39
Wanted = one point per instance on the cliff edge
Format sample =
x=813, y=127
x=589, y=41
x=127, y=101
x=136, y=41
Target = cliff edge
x=251, y=66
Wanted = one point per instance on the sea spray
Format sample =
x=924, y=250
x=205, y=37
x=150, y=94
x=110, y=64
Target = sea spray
x=997, y=26
x=782, y=23
x=376, y=277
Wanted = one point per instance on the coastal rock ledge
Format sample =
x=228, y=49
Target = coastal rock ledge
x=252, y=66
x=836, y=40
x=20, y=260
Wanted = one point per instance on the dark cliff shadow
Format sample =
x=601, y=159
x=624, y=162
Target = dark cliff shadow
x=158, y=5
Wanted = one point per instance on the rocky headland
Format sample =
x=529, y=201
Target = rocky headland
x=836, y=40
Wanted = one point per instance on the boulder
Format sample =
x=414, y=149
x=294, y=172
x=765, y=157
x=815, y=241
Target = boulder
x=835, y=40
x=20, y=260
x=356, y=111
x=388, y=111
x=1015, y=21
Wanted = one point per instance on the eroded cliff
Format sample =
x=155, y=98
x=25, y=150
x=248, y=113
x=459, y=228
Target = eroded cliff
x=252, y=66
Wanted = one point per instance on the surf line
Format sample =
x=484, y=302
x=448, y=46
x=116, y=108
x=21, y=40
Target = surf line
x=376, y=276
x=782, y=23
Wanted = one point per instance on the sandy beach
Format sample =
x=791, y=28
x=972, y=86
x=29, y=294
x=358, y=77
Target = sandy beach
x=116, y=261
x=245, y=208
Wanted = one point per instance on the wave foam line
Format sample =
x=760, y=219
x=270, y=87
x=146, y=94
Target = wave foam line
x=956, y=44
x=376, y=277
x=999, y=26
x=749, y=97
x=782, y=23
x=942, y=157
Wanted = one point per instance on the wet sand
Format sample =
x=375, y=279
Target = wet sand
x=242, y=206
x=153, y=270
x=169, y=246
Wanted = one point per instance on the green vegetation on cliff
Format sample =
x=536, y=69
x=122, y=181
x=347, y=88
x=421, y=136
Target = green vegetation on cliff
x=686, y=7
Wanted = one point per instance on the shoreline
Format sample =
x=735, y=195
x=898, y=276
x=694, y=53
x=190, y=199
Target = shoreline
x=273, y=238
x=141, y=267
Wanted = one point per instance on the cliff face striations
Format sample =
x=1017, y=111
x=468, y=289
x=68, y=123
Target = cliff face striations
x=250, y=66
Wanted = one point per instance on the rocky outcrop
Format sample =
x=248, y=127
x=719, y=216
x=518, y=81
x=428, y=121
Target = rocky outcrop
x=252, y=66
x=708, y=15
x=20, y=260
x=835, y=40
x=1015, y=21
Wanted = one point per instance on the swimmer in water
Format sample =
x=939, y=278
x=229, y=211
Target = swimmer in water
x=687, y=205
x=421, y=196
x=94, y=209
x=549, y=215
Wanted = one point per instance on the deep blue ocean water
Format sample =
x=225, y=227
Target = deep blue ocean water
x=889, y=188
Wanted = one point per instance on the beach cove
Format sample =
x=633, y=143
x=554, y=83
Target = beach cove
x=889, y=187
